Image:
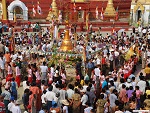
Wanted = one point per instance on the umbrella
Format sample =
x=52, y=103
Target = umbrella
x=121, y=30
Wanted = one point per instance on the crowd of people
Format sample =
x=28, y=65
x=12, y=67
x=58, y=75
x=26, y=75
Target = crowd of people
x=107, y=85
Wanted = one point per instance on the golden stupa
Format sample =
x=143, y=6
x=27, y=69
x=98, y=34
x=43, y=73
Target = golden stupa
x=54, y=13
x=110, y=10
x=66, y=44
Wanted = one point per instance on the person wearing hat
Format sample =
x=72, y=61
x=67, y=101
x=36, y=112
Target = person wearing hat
x=65, y=105
x=11, y=104
x=16, y=108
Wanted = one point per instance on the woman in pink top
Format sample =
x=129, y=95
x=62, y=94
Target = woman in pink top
x=138, y=94
x=123, y=94
x=18, y=76
x=63, y=76
x=9, y=72
x=38, y=77
x=29, y=70
x=50, y=78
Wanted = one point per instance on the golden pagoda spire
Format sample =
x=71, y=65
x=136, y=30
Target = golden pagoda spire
x=54, y=12
x=110, y=10
x=4, y=10
x=66, y=44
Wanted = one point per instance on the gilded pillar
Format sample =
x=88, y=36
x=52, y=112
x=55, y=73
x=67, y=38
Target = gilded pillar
x=4, y=10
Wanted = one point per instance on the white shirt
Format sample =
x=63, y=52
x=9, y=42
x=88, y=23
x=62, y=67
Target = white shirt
x=118, y=112
x=111, y=57
x=2, y=63
x=65, y=109
x=116, y=53
x=42, y=98
x=148, y=53
x=142, y=85
x=70, y=92
x=10, y=106
x=144, y=31
x=97, y=71
x=88, y=109
x=44, y=48
x=49, y=96
x=14, y=57
x=43, y=69
x=16, y=109
x=84, y=99
x=21, y=57
x=24, y=83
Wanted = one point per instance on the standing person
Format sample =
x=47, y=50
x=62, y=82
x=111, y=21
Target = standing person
x=7, y=57
x=84, y=99
x=9, y=71
x=49, y=97
x=113, y=98
x=142, y=84
x=16, y=108
x=144, y=58
x=111, y=60
x=33, y=104
x=100, y=104
x=91, y=96
x=29, y=70
x=90, y=67
x=78, y=68
x=123, y=94
x=44, y=70
x=11, y=104
x=2, y=105
x=38, y=77
x=14, y=89
x=2, y=48
x=2, y=66
x=76, y=101
x=138, y=95
x=25, y=98
x=65, y=105
x=18, y=74
x=6, y=94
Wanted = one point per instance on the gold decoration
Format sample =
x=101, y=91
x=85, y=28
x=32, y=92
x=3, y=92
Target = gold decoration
x=4, y=10
x=110, y=10
x=54, y=13
x=66, y=43
x=139, y=5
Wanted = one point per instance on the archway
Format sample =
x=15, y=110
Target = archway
x=139, y=11
x=21, y=10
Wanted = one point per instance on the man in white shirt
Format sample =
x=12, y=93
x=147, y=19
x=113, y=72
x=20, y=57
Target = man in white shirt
x=2, y=65
x=70, y=91
x=142, y=84
x=88, y=108
x=84, y=99
x=44, y=70
x=16, y=108
x=49, y=97
x=11, y=104
x=44, y=47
